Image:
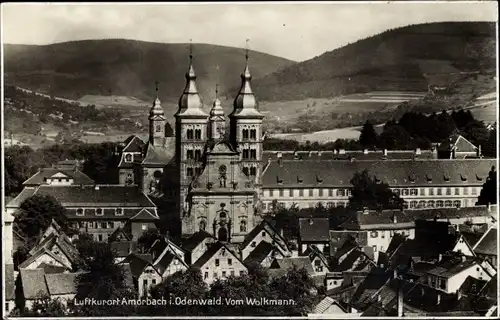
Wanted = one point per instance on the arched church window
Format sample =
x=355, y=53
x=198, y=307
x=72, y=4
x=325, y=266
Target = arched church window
x=243, y=226
x=253, y=134
x=253, y=171
x=245, y=171
x=157, y=174
x=197, y=134
x=203, y=225
x=190, y=134
x=245, y=134
x=197, y=154
x=189, y=154
x=128, y=157
x=158, y=128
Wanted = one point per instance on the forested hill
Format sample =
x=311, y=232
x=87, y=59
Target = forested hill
x=128, y=68
x=398, y=59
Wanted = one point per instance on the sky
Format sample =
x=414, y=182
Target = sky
x=297, y=31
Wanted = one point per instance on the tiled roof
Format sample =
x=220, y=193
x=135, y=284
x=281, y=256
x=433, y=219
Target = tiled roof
x=450, y=268
x=349, y=245
x=396, y=241
x=109, y=195
x=384, y=219
x=472, y=286
x=271, y=229
x=145, y=215
x=119, y=231
x=62, y=283
x=259, y=253
x=160, y=155
x=395, y=172
x=339, y=237
x=193, y=241
x=314, y=229
x=42, y=251
x=165, y=261
x=123, y=248
x=449, y=213
x=157, y=248
x=33, y=282
x=48, y=268
x=135, y=144
x=472, y=237
x=297, y=262
x=39, y=178
x=10, y=284
x=488, y=244
x=18, y=200
x=347, y=263
x=324, y=304
x=372, y=283
x=212, y=250
x=457, y=142
x=137, y=264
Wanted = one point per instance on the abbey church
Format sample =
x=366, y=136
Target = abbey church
x=211, y=178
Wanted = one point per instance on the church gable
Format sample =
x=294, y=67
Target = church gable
x=222, y=148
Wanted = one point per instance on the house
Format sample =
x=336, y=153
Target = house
x=263, y=255
x=339, y=237
x=196, y=245
x=318, y=260
x=457, y=147
x=144, y=274
x=280, y=267
x=219, y=262
x=487, y=247
x=163, y=245
x=331, y=307
x=169, y=263
x=35, y=283
x=314, y=231
x=477, y=215
x=381, y=226
x=123, y=249
x=264, y=231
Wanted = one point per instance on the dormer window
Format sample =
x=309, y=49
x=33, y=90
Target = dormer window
x=99, y=212
x=463, y=178
x=119, y=212
x=319, y=180
x=446, y=178
x=429, y=178
x=377, y=180
x=280, y=181
x=479, y=178
x=411, y=178
x=79, y=212
x=299, y=179
x=128, y=157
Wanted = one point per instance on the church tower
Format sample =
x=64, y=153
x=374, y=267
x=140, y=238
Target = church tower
x=157, y=122
x=217, y=123
x=191, y=136
x=246, y=128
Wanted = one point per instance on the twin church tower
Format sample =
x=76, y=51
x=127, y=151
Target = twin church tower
x=207, y=176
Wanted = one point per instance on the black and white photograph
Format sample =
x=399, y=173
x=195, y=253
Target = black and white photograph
x=313, y=160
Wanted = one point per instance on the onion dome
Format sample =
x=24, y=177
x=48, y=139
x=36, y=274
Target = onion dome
x=190, y=102
x=245, y=104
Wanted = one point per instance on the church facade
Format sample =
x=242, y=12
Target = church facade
x=211, y=178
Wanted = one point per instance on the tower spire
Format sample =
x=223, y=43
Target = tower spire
x=190, y=51
x=156, y=85
x=246, y=50
x=217, y=83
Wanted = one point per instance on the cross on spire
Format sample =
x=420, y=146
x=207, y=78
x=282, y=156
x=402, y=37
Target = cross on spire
x=246, y=49
x=190, y=50
x=217, y=84
x=156, y=87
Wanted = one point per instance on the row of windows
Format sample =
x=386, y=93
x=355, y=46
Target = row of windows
x=309, y=192
x=99, y=224
x=190, y=171
x=376, y=234
x=224, y=274
x=243, y=225
x=193, y=154
x=229, y=262
x=193, y=134
x=434, y=204
x=251, y=136
x=249, y=154
x=282, y=205
x=250, y=171
x=98, y=212
x=435, y=191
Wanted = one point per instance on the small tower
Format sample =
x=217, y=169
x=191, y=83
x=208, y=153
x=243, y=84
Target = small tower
x=246, y=128
x=216, y=121
x=157, y=122
x=190, y=134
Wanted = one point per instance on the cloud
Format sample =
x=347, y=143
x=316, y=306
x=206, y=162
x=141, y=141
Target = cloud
x=296, y=31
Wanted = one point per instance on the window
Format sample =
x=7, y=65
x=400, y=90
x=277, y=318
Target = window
x=111, y=225
x=99, y=212
x=197, y=134
x=145, y=283
x=439, y=191
x=431, y=191
x=215, y=275
x=245, y=134
x=282, y=193
x=340, y=193
x=223, y=274
x=374, y=248
x=382, y=234
x=242, y=272
x=413, y=204
x=158, y=128
x=474, y=190
x=99, y=237
x=254, y=244
x=128, y=157
x=374, y=234
x=414, y=192
x=406, y=192
x=104, y=225
x=253, y=154
x=189, y=154
x=206, y=275
x=154, y=281
x=320, y=192
x=253, y=171
x=330, y=192
x=442, y=283
x=217, y=262
x=310, y=192
x=439, y=203
x=245, y=153
x=190, y=134
x=422, y=191
x=271, y=192
x=448, y=203
x=430, y=204
x=457, y=203
x=203, y=225
x=457, y=191
x=466, y=191
x=421, y=204
x=189, y=171
x=79, y=212
x=263, y=234
x=197, y=154
x=232, y=273
x=301, y=192
x=253, y=134
x=396, y=191
x=144, y=227
x=245, y=171
x=119, y=212
x=448, y=191
x=230, y=262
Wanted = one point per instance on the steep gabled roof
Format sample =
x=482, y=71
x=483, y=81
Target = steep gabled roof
x=123, y=248
x=193, y=241
x=259, y=253
x=289, y=263
x=38, y=254
x=135, y=144
x=314, y=229
x=488, y=243
x=212, y=250
x=457, y=142
x=160, y=155
x=145, y=215
x=33, y=283
x=62, y=283
x=137, y=263
x=40, y=178
x=166, y=260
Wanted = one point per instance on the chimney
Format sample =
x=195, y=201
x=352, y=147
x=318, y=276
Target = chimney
x=418, y=151
x=385, y=152
x=488, y=206
x=464, y=258
x=341, y=151
x=96, y=187
x=440, y=257
x=366, y=210
x=438, y=299
x=394, y=218
x=311, y=221
x=479, y=153
x=365, y=151
x=379, y=298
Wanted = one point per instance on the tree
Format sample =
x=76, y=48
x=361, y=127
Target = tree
x=147, y=239
x=394, y=137
x=372, y=193
x=36, y=213
x=489, y=192
x=101, y=279
x=182, y=284
x=368, y=137
x=44, y=306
